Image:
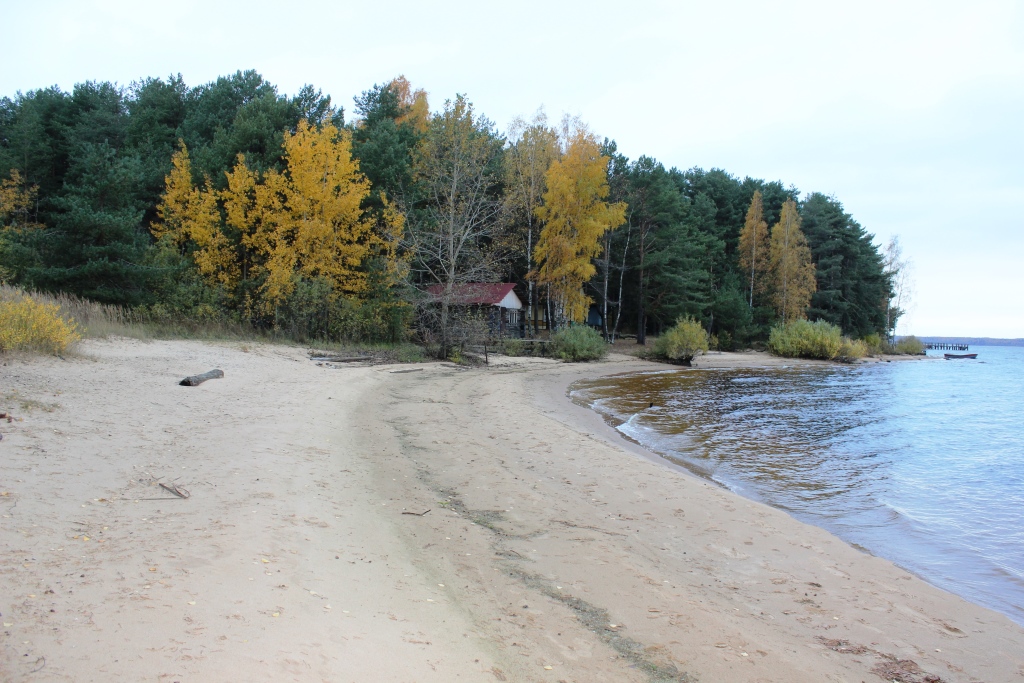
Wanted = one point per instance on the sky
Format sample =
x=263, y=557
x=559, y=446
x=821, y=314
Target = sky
x=909, y=113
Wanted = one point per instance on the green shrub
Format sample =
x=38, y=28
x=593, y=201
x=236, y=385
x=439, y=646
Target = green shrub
x=410, y=353
x=874, y=344
x=852, y=349
x=804, y=339
x=910, y=345
x=514, y=347
x=683, y=341
x=578, y=343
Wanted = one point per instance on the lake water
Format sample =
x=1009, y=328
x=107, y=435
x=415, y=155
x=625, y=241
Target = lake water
x=920, y=461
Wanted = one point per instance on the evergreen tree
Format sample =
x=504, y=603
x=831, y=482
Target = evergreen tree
x=852, y=286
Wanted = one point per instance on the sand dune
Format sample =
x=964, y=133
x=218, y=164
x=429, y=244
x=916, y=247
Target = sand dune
x=358, y=524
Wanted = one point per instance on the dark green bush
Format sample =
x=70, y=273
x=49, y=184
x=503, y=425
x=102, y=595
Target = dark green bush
x=578, y=343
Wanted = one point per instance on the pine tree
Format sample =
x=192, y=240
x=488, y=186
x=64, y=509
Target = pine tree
x=792, y=270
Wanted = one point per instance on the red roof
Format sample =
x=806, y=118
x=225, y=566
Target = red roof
x=475, y=293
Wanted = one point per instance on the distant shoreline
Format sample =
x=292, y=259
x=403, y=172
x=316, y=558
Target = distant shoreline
x=976, y=341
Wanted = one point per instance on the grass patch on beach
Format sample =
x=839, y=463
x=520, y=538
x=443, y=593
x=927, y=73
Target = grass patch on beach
x=40, y=322
x=382, y=352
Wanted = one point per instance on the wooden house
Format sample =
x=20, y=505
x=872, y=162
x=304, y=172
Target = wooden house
x=496, y=301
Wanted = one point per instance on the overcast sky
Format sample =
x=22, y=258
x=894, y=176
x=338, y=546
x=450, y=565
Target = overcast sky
x=910, y=113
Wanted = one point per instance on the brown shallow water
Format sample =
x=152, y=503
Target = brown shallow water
x=921, y=463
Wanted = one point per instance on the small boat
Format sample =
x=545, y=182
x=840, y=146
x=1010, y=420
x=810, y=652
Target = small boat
x=957, y=356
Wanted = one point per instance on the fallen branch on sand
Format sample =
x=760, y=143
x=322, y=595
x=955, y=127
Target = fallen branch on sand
x=418, y=514
x=340, y=359
x=180, y=492
x=196, y=380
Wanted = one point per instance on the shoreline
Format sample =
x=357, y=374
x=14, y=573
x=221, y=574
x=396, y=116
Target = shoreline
x=615, y=421
x=364, y=523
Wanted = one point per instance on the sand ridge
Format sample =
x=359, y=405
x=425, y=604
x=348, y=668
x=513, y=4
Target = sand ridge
x=552, y=549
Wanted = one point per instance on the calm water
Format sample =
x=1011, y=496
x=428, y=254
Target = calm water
x=921, y=462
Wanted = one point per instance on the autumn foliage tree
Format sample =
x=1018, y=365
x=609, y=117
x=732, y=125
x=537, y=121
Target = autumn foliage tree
x=17, y=200
x=792, y=271
x=754, y=248
x=190, y=221
x=575, y=217
x=533, y=147
x=262, y=235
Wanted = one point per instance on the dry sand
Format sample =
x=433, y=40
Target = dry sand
x=552, y=550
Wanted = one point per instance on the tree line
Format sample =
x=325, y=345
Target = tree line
x=232, y=200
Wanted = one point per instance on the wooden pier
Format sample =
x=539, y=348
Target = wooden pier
x=946, y=347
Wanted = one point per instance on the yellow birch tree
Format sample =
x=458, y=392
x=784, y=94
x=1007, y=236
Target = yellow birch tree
x=575, y=216
x=533, y=147
x=242, y=216
x=16, y=200
x=311, y=219
x=754, y=248
x=189, y=215
x=792, y=270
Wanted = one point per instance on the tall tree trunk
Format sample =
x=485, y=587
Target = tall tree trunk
x=622, y=278
x=532, y=325
x=604, y=283
x=641, y=309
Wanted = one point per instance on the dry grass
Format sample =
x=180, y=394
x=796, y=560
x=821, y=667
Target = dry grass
x=30, y=324
x=90, y=318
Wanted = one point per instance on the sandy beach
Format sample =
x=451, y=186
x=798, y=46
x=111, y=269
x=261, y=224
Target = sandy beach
x=415, y=523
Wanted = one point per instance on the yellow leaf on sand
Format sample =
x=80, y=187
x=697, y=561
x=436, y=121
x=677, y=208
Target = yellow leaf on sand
x=191, y=602
x=85, y=538
x=549, y=668
x=152, y=569
x=264, y=560
x=277, y=614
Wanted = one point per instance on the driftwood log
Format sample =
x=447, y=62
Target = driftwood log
x=196, y=380
x=339, y=359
